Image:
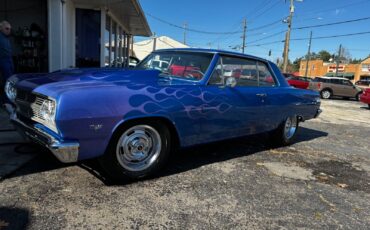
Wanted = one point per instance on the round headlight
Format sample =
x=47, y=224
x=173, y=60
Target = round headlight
x=10, y=90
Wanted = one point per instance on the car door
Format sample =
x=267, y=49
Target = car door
x=336, y=86
x=233, y=111
x=349, y=90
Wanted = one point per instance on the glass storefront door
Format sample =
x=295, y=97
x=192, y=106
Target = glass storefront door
x=87, y=38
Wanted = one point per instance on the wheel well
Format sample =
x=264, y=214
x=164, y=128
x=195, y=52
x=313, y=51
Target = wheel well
x=160, y=120
x=331, y=91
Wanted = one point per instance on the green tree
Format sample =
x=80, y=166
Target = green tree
x=355, y=61
x=324, y=55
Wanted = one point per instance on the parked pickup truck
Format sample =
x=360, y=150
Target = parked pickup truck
x=335, y=86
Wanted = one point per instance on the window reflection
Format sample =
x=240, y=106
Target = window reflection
x=107, y=41
x=114, y=42
x=115, y=46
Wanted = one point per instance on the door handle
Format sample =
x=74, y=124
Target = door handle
x=261, y=95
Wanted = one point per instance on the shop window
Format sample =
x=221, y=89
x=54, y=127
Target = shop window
x=29, y=38
x=114, y=40
x=365, y=67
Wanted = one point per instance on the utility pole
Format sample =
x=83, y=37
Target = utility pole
x=154, y=42
x=244, y=33
x=338, y=59
x=185, y=26
x=308, y=54
x=287, y=36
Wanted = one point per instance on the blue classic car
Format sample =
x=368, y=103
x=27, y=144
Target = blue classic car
x=133, y=119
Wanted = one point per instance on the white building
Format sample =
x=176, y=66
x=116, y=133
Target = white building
x=143, y=48
x=55, y=34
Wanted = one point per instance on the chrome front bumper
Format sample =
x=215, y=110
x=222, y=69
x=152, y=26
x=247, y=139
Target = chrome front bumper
x=65, y=151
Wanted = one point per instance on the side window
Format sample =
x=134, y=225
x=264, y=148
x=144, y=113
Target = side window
x=246, y=72
x=243, y=70
x=265, y=76
x=336, y=81
x=346, y=82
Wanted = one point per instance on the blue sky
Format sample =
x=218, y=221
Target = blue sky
x=225, y=16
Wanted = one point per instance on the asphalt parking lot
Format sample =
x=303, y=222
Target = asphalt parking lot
x=321, y=181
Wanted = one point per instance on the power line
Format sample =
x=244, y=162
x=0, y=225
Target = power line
x=314, y=38
x=268, y=9
x=189, y=29
x=336, y=8
x=267, y=43
x=264, y=38
x=312, y=26
x=213, y=32
x=333, y=36
x=143, y=44
x=258, y=8
x=331, y=24
x=267, y=25
x=166, y=43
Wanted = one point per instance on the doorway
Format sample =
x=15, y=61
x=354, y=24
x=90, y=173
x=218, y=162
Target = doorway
x=88, y=38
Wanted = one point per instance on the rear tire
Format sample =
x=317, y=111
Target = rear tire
x=137, y=151
x=285, y=134
x=325, y=94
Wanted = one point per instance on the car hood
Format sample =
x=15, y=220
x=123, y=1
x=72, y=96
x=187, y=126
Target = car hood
x=55, y=83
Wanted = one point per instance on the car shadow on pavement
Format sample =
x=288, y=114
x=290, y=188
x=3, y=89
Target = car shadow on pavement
x=195, y=157
x=184, y=160
x=42, y=162
x=13, y=218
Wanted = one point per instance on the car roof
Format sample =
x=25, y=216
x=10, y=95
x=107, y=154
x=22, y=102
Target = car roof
x=339, y=78
x=213, y=51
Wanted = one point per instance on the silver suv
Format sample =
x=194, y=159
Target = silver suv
x=335, y=86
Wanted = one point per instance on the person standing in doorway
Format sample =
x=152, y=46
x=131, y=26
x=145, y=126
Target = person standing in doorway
x=6, y=62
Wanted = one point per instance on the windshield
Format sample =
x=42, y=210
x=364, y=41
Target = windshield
x=185, y=65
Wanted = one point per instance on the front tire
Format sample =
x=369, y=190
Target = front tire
x=137, y=151
x=285, y=134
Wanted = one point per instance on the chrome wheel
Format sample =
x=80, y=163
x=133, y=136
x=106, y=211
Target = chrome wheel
x=326, y=94
x=290, y=127
x=138, y=147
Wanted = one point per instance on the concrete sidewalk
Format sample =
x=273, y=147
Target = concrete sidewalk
x=10, y=140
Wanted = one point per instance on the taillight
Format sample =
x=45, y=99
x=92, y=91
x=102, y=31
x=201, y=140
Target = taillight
x=319, y=85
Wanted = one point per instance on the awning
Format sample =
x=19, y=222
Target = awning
x=346, y=74
x=128, y=12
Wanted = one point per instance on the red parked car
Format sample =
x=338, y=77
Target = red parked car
x=365, y=97
x=296, y=81
x=190, y=71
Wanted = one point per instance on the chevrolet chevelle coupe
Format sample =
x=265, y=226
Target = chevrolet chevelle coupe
x=133, y=119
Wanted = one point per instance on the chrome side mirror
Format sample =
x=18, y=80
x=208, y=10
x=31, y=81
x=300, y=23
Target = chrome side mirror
x=230, y=82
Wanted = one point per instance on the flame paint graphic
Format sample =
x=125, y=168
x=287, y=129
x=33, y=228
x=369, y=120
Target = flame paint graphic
x=160, y=100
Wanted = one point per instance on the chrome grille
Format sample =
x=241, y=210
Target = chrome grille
x=29, y=104
x=36, y=108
